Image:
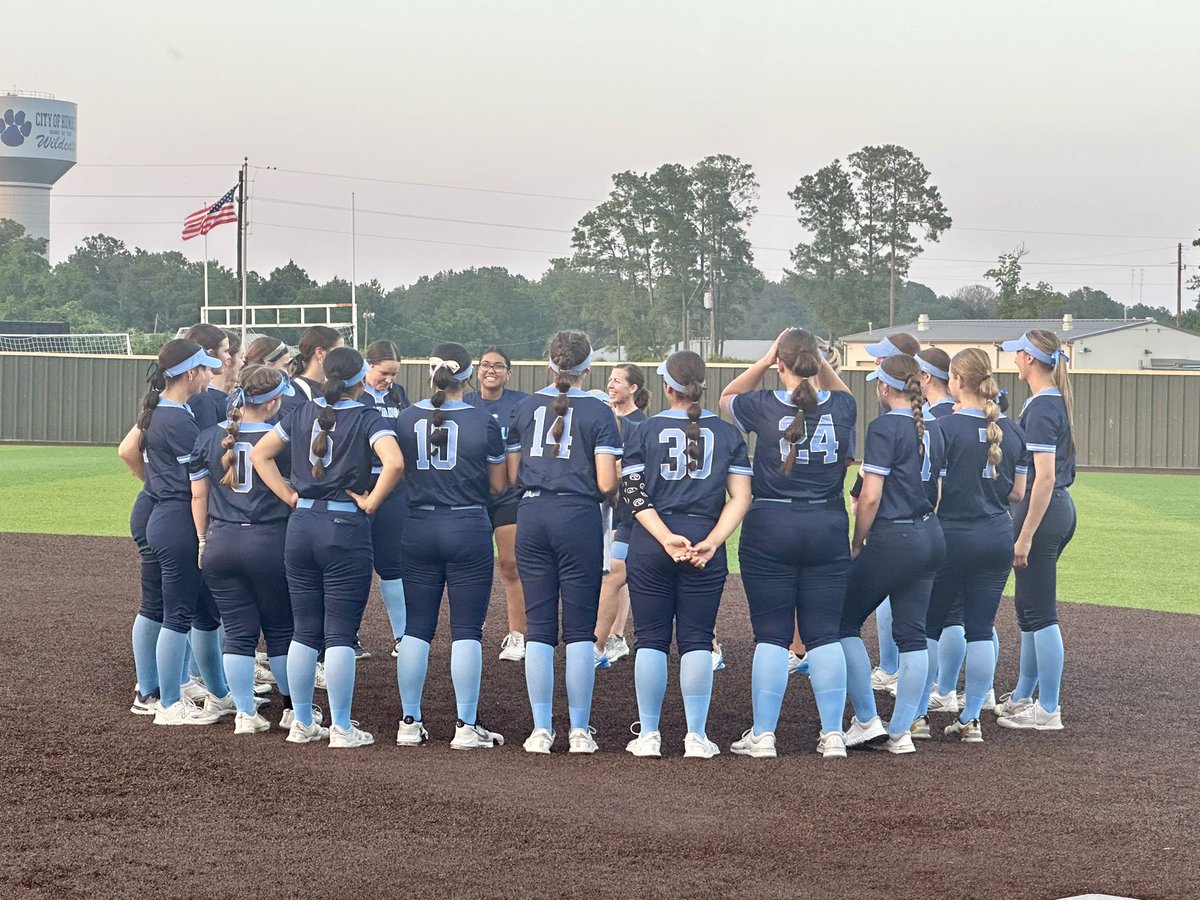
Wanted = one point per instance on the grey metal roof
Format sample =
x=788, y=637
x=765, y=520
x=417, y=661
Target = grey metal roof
x=982, y=330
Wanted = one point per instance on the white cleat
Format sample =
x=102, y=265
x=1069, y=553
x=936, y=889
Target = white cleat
x=832, y=745
x=761, y=746
x=144, y=704
x=289, y=716
x=474, y=737
x=698, y=746
x=884, y=682
x=184, y=712
x=920, y=730
x=299, y=733
x=220, y=706
x=581, y=740
x=647, y=743
x=797, y=665
x=616, y=647
x=1010, y=705
x=411, y=733
x=263, y=674
x=718, y=655
x=512, y=648
x=349, y=738
x=1033, y=718
x=868, y=732
x=540, y=741
x=900, y=743
x=319, y=681
x=989, y=700
x=244, y=724
x=944, y=703
x=194, y=690
x=968, y=733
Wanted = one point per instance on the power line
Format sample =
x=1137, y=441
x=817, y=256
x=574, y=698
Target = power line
x=394, y=237
x=382, y=212
x=423, y=184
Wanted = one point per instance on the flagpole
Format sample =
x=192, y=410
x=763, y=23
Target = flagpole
x=204, y=318
x=353, y=273
x=242, y=243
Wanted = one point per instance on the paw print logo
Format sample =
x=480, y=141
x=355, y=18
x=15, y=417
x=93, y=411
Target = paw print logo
x=14, y=128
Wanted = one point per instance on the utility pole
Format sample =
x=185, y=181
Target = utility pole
x=241, y=256
x=1178, y=284
x=892, y=290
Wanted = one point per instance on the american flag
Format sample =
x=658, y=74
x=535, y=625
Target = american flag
x=205, y=220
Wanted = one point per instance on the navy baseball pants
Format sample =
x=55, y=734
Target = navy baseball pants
x=447, y=548
x=151, y=604
x=171, y=535
x=1037, y=584
x=387, y=532
x=979, y=557
x=328, y=559
x=243, y=567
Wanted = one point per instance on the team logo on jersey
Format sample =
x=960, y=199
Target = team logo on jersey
x=14, y=128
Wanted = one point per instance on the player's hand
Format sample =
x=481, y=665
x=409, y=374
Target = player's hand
x=366, y=502
x=1021, y=552
x=702, y=553
x=200, y=552
x=678, y=547
x=855, y=549
x=773, y=351
x=293, y=500
x=854, y=506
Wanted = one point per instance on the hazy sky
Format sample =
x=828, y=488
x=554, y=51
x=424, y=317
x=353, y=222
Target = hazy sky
x=1039, y=121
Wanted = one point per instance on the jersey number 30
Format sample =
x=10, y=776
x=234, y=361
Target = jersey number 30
x=675, y=468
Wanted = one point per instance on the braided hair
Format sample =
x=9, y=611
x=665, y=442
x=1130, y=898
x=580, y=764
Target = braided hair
x=253, y=381
x=800, y=355
x=172, y=354
x=905, y=368
x=567, y=350
x=688, y=369
x=341, y=365
x=447, y=363
x=974, y=369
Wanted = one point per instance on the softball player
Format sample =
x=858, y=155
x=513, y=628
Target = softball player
x=1044, y=523
x=982, y=472
x=562, y=449
x=455, y=460
x=208, y=405
x=794, y=551
x=677, y=469
x=897, y=548
x=328, y=546
x=387, y=525
x=307, y=368
x=167, y=435
x=628, y=397
x=883, y=677
x=500, y=402
x=241, y=525
x=268, y=351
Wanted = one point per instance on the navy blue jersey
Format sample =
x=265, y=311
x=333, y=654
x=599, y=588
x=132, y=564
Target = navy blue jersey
x=627, y=425
x=169, y=442
x=210, y=406
x=820, y=465
x=305, y=390
x=249, y=500
x=502, y=409
x=590, y=428
x=1048, y=430
x=658, y=448
x=969, y=492
x=456, y=474
x=390, y=404
x=347, y=456
x=891, y=451
x=941, y=409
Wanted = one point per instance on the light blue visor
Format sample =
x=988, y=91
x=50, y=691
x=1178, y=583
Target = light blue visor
x=931, y=369
x=1024, y=343
x=883, y=349
x=880, y=375
x=199, y=358
x=362, y=373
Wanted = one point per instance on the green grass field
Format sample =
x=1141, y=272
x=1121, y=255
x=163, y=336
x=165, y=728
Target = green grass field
x=1131, y=548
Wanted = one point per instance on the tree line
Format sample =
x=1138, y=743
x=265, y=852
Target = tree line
x=666, y=256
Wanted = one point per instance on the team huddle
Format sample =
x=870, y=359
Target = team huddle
x=276, y=485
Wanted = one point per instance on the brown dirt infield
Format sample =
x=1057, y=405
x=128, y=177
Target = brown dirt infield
x=99, y=802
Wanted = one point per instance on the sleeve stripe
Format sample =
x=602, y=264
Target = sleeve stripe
x=740, y=470
x=187, y=458
x=634, y=469
x=279, y=430
x=387, y=432
x=1022, y=470
x=1041, y=448
x=609, y=451
x=198, y=476
x=876, y=470
x=497, y=459
x=733, y=413
x=512, y=448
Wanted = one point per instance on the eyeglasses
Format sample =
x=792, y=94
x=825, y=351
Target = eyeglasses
x=493, y=367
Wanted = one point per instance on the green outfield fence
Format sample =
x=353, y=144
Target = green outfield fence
x=1123, y=419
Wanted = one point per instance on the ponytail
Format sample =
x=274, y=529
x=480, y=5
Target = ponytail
x=158, y=383
x=442, y=378
x=562, y=383
x=1062, y=381
x=334, y=388
x=990, y=392
x=916, y=399
x=798, y=351
x=694, y=391
x=175, y=353
x=237, y=403
x=570, y=355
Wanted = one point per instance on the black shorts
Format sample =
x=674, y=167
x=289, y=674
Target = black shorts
x=503, y=515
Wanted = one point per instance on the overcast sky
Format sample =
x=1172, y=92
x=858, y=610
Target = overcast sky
x=1071, y=127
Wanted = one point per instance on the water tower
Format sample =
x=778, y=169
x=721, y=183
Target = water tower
x=37, y=147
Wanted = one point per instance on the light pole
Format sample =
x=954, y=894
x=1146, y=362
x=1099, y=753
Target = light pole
x=367, y=317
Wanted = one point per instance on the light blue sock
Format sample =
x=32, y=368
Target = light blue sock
x=412, y=665
x=768, y=682
x=392, y=590
x=952, y=650
x=981, y=664
x=466, y=671
x=302, y=679
x=1048, y=643
x=995, y=657
x=145, y=640
x=827, y=671
x=339, y=680
x=581, y=679
x=650, y=680
x=695, y=683
x=914, y=668
x=889, y=653
x=1027, y=679
x=858, y=678
x=278, y=666
x=206, y=648
x=190, y=667
x=996, y=642
x=539, y=681
x=239, y=673
x=168, y=656
x=931, y=657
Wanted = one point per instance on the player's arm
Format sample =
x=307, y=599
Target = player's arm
x=606, y=473
x=1017, y=494
x=262, y=457
x=498, y=477
x=868, y=507
x=1039, y=502
x=130, y=454
x=392, y=460
x=737, y=504
x=751, y=378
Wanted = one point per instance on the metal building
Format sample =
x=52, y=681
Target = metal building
x=37, y=147
x=1110, y=345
